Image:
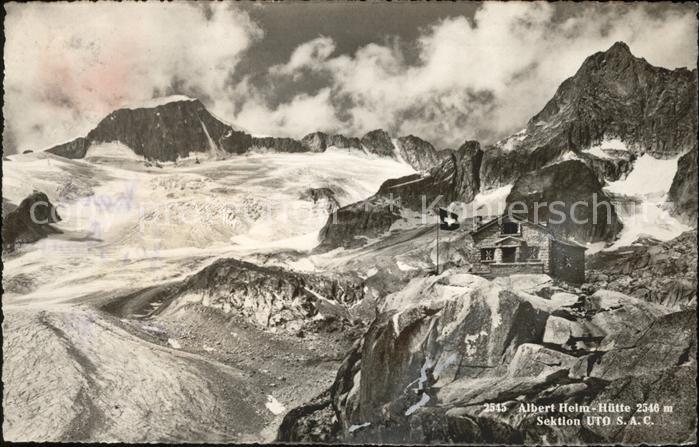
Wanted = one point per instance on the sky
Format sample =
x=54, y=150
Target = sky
x=447, y=72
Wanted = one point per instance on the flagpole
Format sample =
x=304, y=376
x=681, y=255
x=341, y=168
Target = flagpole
x=438, y=225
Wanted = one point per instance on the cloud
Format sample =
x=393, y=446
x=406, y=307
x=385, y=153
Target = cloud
x=68, y=65
x=310, y=55
x=473, y=79
x=302, y=115
x=480, y=77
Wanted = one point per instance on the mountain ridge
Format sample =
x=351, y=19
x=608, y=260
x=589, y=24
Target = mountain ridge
x=168, y=130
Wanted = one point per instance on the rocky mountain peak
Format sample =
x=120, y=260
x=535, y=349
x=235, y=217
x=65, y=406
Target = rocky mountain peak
x=619, y=48
x=617, y=95
x=378, y=142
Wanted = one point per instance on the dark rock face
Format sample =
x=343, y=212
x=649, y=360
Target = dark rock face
x=268, y=296
x=29, y=222
x=319, y=142
x=169, y=131
x=73, y=149
x=172, y=130
x=321, y=195
x=378, y=142
x=614, y=95
x=426, y=366
x=420, y=154
x=355, y=224
x=683, y=192
x=659, y=272
x=456, y=179
x=277, y=144
x=556, y=189
x=609, y=169
x=652, y=109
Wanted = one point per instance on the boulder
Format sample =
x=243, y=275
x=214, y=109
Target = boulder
x=29, y=222
x=552, y=194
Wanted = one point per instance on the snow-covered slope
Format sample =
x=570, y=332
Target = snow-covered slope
x=640, y=201
x=130, y=224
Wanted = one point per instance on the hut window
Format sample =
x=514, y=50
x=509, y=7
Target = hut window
x=529, y=253
x=510, y=228
x=487, y=254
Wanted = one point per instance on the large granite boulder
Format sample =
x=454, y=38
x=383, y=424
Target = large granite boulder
x=29, y=222
x=569, y=198
x=455, y=359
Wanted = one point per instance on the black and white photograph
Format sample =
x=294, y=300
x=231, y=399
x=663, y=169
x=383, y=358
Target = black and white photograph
x=339, y=222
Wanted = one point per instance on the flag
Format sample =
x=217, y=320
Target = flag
x=447, y=220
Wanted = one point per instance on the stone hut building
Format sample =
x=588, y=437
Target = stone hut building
x=512, y=244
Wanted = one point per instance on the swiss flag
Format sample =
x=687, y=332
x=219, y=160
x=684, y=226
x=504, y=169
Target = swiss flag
x=447, y=220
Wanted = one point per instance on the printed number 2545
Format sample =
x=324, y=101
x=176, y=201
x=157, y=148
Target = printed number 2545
x=496, y=407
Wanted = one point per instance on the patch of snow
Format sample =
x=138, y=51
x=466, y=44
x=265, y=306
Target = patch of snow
x=369, y=273
x=402, y=266
x=428, y=363
x=274, y=406
x=510, y=143
x=155, y=102
x=174, y=343
x=568, y=155
x=610, y=143
x=396, y=150
x=487, y=203
x=649, y=219
x=421, y=403
x=649, y=177
x=111, y=150
x=441, y=366
x=470, y=341
x=151, y=328
x=355, y=427
x=641, y=201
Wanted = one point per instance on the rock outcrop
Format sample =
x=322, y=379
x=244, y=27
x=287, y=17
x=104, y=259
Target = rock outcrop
x=319, y=142
x=615, y=94
x=569, y=197
x=271, y=144
x=270, y=297
x=452, y=359
x=654, y=271
x=683, y=192
x=454, y=180
x=420, y=154
x=29, y=222
x=74, y=149
x=378, y=142
x=321, y=196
